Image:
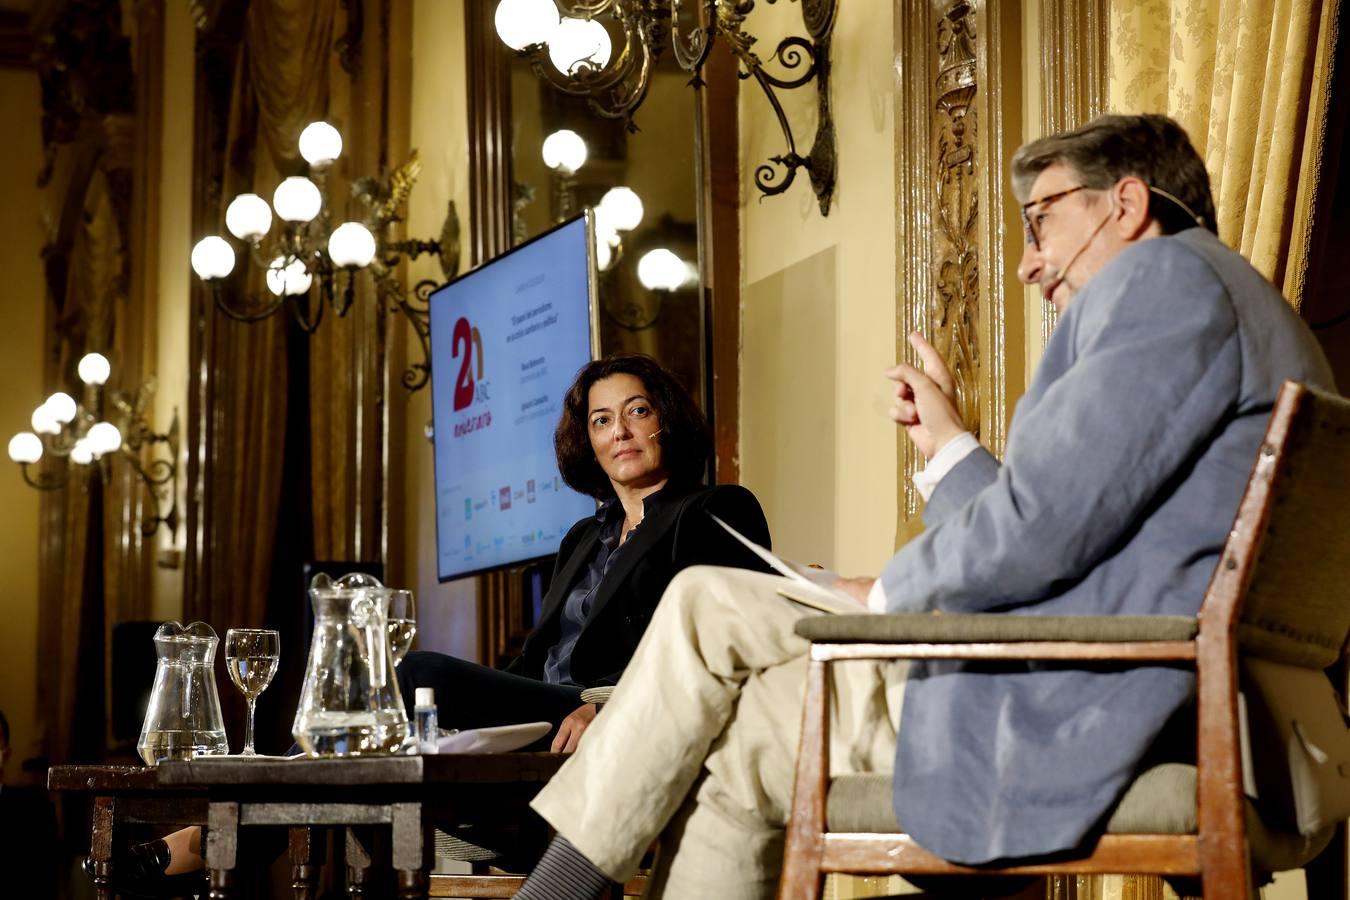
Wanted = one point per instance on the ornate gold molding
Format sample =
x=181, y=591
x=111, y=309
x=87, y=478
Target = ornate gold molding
x=949, y=162
x=1073, y=61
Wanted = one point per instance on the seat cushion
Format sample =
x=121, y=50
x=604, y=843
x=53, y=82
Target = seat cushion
x=965, y=628
x=1160, y=801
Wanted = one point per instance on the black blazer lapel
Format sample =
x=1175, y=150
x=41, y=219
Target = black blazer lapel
x=649, y=533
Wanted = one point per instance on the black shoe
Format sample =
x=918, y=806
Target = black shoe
x=139, y=873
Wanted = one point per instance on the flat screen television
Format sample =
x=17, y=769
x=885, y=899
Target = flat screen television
x=507, y=340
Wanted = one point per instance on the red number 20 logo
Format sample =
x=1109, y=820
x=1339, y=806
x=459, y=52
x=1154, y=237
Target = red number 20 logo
x=472, y=342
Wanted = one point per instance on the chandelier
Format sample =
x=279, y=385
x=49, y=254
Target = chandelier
x=76, y=431
x=309, y=265
x=571, y=44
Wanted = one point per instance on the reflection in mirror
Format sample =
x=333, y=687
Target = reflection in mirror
x=565, y=157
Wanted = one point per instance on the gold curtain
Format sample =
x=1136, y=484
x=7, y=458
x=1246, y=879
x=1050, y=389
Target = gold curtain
x=1248, y=80
x=280, y=85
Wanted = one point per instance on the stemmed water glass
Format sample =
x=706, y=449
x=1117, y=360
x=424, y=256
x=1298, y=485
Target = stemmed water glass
x=251, y=657
x=402, y=623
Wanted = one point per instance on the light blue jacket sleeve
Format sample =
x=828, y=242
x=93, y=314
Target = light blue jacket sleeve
x=1141, y=371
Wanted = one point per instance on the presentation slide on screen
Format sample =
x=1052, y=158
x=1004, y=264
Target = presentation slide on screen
x=507, y=341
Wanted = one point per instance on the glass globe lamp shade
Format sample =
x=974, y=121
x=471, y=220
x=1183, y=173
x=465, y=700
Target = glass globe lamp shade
x=62, y=406
x=351, y=244
x=320, y=143
x=661, y=270
x=44, y=421
x=25, y=447
x=93, y=368
x=524, y=23
x=248, y=217
x=622, y=207
x=103, y=438
x=297, y=199
x=564, y=151
x=288, y=278
x=578, y=42
x=82, y=454
x=213, y=257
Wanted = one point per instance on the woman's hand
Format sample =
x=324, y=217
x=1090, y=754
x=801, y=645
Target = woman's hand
x=572, y=727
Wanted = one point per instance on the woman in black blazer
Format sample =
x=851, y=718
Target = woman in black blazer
x=630, y=436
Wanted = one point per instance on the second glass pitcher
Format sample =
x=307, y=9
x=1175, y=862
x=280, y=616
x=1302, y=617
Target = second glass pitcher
x=350, y=704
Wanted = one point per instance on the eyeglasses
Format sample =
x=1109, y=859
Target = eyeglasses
x=1034, y=238
x=1028, y=224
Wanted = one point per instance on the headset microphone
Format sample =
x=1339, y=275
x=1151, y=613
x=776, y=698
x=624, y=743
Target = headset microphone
x=1057, y=275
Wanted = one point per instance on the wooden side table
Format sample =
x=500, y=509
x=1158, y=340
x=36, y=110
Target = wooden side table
x=406, y=795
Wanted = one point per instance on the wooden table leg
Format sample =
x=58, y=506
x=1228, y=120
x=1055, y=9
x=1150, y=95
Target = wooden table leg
x=306, y=852
x=358, y=865
x=222, y=848
x=411, y=843
x=100, y=847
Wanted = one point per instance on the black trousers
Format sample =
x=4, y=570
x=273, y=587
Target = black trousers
x=472, y=696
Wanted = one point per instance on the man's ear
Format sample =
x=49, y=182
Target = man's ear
x=1132, y=199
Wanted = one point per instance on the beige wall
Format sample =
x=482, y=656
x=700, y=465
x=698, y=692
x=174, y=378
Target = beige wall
x=780, y=232
x=170, y=365
x=447, y=613
x=21, y=306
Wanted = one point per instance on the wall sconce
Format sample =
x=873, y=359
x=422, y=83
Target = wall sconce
x=307, y=252
x=63, y=428
x=574, y=51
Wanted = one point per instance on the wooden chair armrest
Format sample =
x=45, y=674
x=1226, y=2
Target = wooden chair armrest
x=983, y=628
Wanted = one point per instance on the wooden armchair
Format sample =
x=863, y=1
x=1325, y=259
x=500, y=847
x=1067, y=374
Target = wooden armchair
x=1279, y=602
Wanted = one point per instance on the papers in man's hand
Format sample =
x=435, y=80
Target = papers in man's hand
x=811, y=587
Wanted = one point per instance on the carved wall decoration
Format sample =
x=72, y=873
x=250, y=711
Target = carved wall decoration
x=954, y=327
x=1073, y=61
x=949, y=250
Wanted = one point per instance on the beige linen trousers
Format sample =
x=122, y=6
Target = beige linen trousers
x=698, y=743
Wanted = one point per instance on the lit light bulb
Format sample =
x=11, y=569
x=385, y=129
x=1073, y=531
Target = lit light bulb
x=248, y=217
x=320, y=143
x=565, y=151
x=288, y=278
x=661, y=270
x=25, y=447
x=93, y=368
x=577, y=43
x=44, y=422
x=62, y=406
x=523, y=23
x=351, y=244
x=81, y=453
x=297, y=199
x=622, y=208
x=213, y=257
x=103, y=438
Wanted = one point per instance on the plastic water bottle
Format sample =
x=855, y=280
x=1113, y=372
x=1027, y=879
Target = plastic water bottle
x=424, y=713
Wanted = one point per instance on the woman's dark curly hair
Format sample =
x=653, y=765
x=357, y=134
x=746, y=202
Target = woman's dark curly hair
x=686, y=439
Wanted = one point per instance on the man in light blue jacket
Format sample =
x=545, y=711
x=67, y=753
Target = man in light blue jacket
x=1125, y=463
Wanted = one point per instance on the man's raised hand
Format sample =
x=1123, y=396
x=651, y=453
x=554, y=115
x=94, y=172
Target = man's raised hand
x=925, y=400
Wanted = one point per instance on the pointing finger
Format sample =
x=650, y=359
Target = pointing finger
x=933, y=363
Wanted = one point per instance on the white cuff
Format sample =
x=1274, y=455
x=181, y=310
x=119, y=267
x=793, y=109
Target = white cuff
x=876, y=598
x=955, y=450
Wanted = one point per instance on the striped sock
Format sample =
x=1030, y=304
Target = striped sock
x=564, y=874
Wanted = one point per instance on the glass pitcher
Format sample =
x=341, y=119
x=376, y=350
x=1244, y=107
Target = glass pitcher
x=350, y=704
x=183, y=719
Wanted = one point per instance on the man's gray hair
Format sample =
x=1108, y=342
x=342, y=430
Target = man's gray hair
x=1151, y=147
